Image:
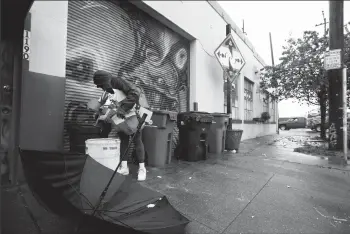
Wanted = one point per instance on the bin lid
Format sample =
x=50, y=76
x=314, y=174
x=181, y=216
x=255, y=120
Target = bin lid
x=172, y=114
x=194, y=112
x=216, y=114
x=234, y=130
x=196, y=115
x=85, y=128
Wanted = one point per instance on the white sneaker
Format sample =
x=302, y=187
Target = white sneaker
x=141, y=176
x=124, y=170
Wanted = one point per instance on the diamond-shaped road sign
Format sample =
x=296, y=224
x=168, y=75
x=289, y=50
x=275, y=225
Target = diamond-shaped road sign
x=230, y=58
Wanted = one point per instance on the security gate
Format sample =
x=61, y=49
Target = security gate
x=120, y=39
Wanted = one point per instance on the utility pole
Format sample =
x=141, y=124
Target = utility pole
x=336, y=41
x=276, y=106
x=271, y=49
x=229, y=89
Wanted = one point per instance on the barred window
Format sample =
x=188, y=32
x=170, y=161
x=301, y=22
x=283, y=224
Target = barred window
x=248, y=99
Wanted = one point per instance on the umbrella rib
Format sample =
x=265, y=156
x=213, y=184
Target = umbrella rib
x=79, y=193
x=137, y=203
x=118, y=220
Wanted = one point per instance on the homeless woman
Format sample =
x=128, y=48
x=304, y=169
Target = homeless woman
x=127, y=122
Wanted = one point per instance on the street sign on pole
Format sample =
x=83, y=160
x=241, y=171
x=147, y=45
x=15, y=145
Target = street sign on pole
x=230, y=58
x=332, y=59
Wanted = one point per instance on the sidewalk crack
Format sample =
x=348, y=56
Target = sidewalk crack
x=245, y=207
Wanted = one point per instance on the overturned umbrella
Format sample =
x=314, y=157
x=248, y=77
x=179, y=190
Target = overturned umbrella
x=79, y=187
x=56, y=180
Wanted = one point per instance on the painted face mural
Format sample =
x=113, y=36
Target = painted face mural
x=128, y=43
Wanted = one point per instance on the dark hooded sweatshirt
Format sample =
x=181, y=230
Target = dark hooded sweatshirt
x=131, y=92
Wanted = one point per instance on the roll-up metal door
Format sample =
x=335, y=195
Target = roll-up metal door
x=119, y=38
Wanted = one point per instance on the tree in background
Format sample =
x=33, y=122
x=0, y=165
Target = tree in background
x=300, y=73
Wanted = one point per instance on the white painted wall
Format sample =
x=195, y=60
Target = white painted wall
x=197, y=18
x=200, y=20
x=48, y=37
x=254, y=130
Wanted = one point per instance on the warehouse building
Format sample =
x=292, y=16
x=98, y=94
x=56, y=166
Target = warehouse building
x=166, y=48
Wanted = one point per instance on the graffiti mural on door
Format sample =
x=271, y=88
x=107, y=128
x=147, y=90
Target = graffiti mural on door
x=119, y=38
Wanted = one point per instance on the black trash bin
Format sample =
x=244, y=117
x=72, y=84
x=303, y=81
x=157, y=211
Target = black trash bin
x=78, y=134
x=157, y=138
x=217, y=133
x=193, y=133
x=233, y=139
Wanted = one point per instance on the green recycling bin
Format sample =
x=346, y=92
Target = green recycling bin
x=193, y=132
x=217, y=133
x=157, y=138
x=233, y=139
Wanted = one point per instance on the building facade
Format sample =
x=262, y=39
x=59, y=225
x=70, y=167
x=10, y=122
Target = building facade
x=164, y=47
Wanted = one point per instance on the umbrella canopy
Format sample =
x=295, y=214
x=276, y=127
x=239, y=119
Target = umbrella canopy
x=70, y=184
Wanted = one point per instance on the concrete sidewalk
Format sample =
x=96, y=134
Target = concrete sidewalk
x=262, y=189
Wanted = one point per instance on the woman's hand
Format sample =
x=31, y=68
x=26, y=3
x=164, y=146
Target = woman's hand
x=120, y=113
x=112, y=106
x=102, y=118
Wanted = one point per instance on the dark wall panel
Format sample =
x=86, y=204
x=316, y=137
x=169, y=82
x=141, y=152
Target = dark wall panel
x=42, y=116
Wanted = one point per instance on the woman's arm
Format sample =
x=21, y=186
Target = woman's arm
x=132, y=94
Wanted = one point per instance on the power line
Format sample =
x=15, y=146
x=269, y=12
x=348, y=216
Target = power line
x=205, y=49
x=325, y=24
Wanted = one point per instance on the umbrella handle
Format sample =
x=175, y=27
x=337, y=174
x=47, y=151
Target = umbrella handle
x=104, y=192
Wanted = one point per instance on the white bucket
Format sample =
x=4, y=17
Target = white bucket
x=105, y=151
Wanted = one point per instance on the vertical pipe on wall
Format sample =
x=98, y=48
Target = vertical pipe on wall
x=193, y=73
x=228, y=89
x=2, y=152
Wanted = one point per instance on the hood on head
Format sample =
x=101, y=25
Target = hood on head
x=103, y=80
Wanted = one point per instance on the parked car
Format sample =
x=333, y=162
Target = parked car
x=314, y=122
x=292, y=123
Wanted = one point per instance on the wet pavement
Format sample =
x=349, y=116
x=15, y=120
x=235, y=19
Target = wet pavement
x=264, y=188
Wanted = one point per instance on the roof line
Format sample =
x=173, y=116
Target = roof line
x=216, y=6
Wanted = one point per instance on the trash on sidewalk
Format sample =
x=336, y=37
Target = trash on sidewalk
x=333, y=218
x=159, y=176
